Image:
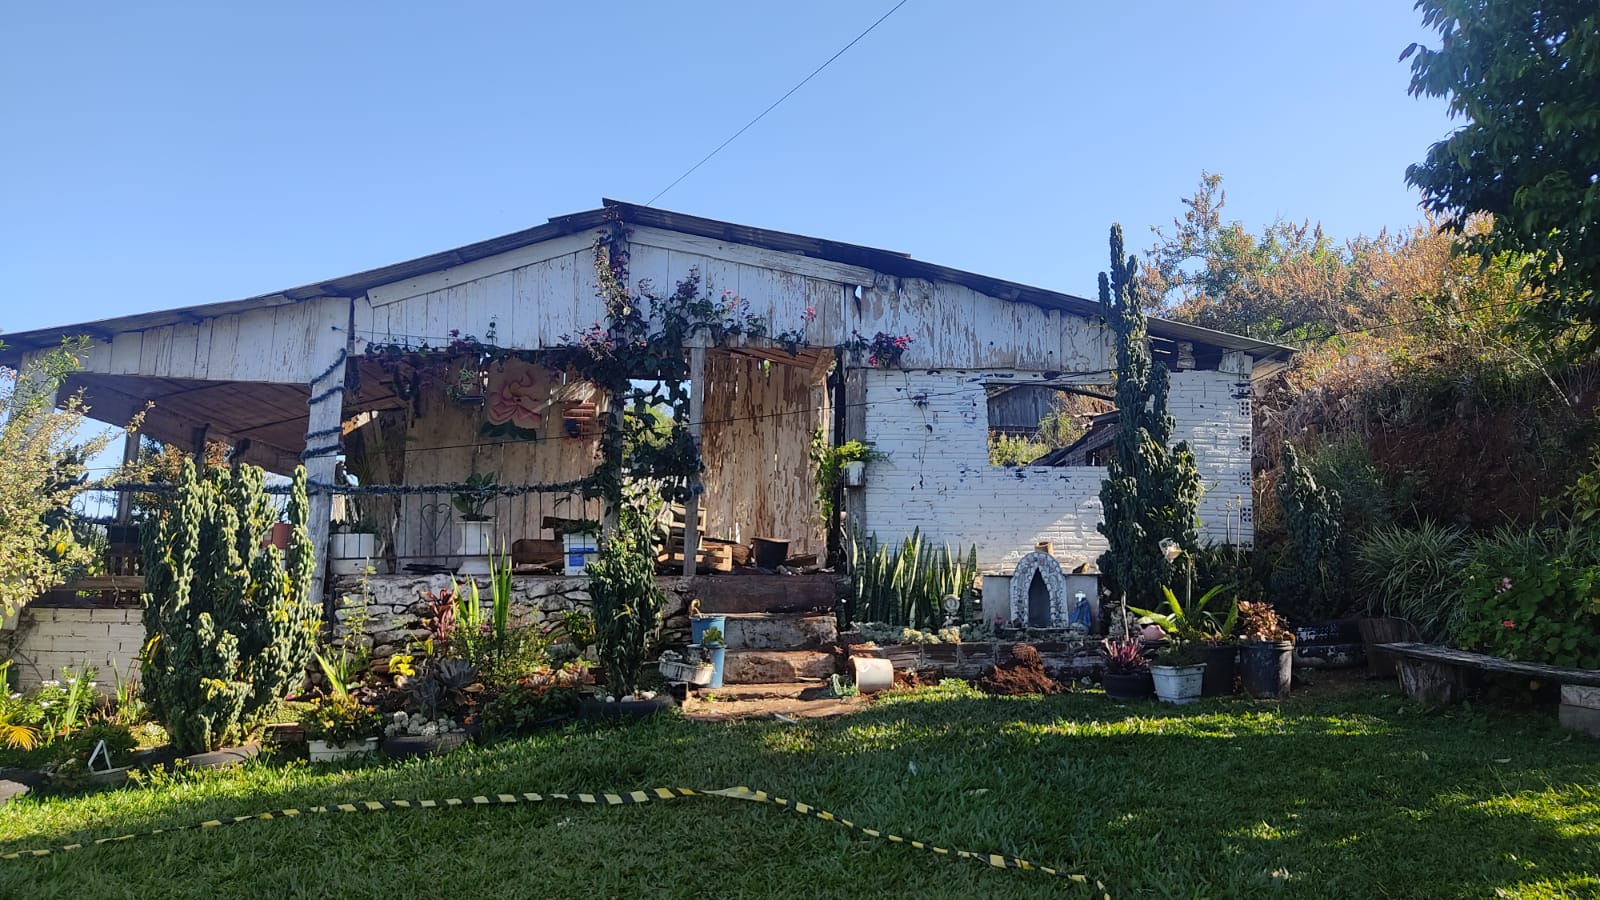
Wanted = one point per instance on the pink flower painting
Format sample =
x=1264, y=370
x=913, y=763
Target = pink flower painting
x=516, y=403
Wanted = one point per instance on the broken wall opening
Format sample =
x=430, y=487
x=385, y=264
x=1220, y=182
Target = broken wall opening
x=761, y=412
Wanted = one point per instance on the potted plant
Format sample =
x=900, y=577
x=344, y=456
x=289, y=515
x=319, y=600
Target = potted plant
x=1266, y=654
x=693, y=669
x=1127, y=671
x=477, y=528
x=1193, y=623
x=439, y=699
x=352, y=547
x=1179, y=669
x=711, y=649
x=337, y=727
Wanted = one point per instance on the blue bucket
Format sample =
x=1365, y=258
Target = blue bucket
x=716, y=654
x=699, y=624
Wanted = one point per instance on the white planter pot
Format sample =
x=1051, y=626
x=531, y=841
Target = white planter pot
x=322, y=751
x=1178, y=684
x=855, y=473
x=477, y=542
x=690, y=673
x=580, y=548
x=351, y=554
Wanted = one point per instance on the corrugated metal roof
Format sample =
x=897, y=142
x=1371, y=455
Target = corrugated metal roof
x=888, y=262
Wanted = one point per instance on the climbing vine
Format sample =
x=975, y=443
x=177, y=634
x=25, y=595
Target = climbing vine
x=638, y=354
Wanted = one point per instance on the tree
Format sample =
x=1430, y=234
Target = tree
x=1151, y=491
x=1526, y=76
x=41, y=471
x=229, y=619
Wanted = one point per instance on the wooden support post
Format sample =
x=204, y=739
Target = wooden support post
x=691, y=507
x=130, y=455
x=324, y=429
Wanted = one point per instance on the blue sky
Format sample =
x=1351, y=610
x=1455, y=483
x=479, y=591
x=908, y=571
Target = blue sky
x=162, y=154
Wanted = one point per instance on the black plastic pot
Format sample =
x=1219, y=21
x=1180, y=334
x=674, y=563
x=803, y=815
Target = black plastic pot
x=1220, y=670
x=1265, y=668
x=622, y=710
x=1132, y=686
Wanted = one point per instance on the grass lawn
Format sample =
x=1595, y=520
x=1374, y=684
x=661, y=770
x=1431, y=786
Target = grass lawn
x=1362, y=794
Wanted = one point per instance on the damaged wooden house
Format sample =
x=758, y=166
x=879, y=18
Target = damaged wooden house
x=439, y=412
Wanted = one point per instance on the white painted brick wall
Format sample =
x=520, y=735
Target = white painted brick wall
x=50, y=640
x=934, y=427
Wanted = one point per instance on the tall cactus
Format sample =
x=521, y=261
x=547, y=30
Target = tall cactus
x=1151, y=491
x=229, y=623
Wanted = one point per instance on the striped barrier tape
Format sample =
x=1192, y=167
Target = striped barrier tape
x=994, y=860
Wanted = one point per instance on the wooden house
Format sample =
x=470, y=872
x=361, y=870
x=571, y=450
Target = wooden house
x=297, y=376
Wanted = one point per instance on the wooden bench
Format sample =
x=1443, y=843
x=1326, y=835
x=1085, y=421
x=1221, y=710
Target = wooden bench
x=1440, y=675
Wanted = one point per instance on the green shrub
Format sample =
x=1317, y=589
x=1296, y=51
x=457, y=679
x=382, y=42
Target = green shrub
x=1530, y=608
x=119, y=743
x=623, y=594
x=1416, y=574
x=527, y=705
x=1008, y=450
x=1245, y=572
x=228, y=619
x=1310, y=579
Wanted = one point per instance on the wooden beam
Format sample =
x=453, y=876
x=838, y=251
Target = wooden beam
x=691, y=507
x=130, y=454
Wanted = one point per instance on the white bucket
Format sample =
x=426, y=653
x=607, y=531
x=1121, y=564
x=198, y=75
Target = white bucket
x=873, y=674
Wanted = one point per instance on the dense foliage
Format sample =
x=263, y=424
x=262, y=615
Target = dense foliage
x=1151, y=490
x=905, y=585
x=228, y=618
x=1312, y=576
x=41, y=471
x=625, y=598
x=1531, y=606
x=1525, y=74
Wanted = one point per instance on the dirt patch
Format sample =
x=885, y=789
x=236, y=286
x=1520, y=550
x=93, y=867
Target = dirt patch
x=1023, y=674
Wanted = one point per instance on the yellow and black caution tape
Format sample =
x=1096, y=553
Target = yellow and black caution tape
x=995, y=860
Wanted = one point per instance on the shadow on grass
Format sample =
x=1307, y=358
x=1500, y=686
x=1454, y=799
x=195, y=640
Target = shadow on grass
x=1361, y=795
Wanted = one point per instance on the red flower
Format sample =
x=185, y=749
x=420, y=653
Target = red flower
x=1508, y=624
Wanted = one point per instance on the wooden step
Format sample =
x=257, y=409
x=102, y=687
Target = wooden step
x=738, y=593
x=780, y=631
x=775, y=666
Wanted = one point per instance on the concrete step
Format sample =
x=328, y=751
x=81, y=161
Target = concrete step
x=775, y=666
x=778, y=631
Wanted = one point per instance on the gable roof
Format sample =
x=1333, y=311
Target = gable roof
x=888, y=262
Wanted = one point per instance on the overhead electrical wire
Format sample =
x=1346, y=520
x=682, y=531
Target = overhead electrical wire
x=802, y=83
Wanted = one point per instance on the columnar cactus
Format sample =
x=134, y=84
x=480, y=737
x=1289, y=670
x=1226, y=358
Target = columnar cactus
x=229, y=623
x=1151, y=491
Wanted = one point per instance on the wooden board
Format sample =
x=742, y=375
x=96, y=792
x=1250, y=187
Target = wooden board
x=1465, y=659
x=738, y=593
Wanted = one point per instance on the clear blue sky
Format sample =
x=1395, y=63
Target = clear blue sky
x=160, y=155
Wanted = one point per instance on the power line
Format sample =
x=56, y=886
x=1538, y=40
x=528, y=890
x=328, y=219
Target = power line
x=775, y=103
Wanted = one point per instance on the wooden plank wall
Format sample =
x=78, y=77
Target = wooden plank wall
x=533, y=304
x=287, y=344
x=759, y=479
x=443, y=446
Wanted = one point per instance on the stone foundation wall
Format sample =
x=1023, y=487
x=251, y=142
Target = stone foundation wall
x=394, y=606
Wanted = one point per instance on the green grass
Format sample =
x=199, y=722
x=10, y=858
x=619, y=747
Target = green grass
x=1357, y=795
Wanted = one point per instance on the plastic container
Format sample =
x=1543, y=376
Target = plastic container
x=1178, y=684
x=579, y=548
x=1266, y=668
x=770, y=553
x=873, y=674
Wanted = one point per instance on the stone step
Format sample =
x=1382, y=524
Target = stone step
x=737, y=593
x=777, y=631
x=775, y=666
